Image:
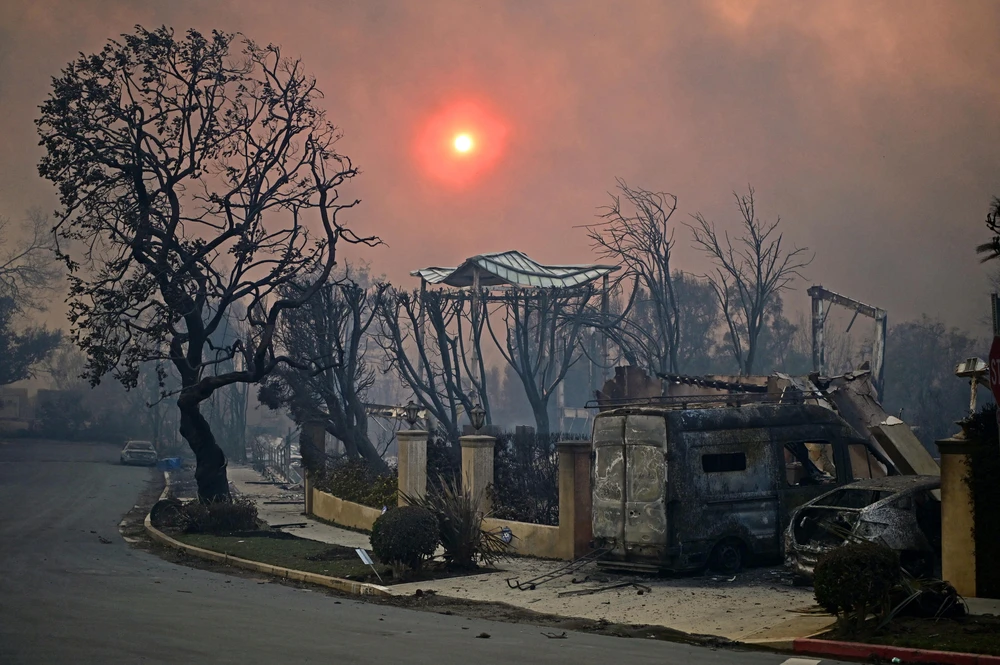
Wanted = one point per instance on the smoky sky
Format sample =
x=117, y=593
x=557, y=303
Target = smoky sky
x=871, y=128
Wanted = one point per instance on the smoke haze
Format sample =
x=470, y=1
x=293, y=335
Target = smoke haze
x=872, y=128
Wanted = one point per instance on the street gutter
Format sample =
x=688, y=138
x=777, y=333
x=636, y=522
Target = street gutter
x=880, y=653
x=338, y=584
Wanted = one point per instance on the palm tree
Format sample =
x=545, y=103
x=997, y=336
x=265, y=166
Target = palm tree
x=992, y=248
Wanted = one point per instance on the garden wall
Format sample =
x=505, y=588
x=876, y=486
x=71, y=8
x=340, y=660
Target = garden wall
x=345, y=513
x=536, y=540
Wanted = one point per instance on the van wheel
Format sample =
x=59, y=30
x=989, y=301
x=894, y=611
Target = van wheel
x=728, y=557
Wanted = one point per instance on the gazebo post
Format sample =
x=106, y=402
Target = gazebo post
x=475, y=320
x=604, y=332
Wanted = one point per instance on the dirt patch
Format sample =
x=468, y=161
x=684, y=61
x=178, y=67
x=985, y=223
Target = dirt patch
x=971, y=634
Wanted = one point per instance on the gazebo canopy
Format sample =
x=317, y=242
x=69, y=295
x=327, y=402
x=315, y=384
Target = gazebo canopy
x=513, y=268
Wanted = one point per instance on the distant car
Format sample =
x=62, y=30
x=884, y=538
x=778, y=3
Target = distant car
x=139, y=452
x=901, y=512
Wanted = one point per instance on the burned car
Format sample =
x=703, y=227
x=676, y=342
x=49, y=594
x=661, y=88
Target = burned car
x=901, y=512
x=139, y=452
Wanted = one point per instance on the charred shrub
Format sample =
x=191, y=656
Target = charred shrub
x=984, y=469
x=443, y=457
x=353, y=479
x=403, y=537
x=526, y=477
x=237, y=515
x=460, y=523
x=856, y=579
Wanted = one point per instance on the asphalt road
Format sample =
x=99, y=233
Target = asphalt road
x=66, y=597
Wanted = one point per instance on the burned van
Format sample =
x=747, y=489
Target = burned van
x=679, y=489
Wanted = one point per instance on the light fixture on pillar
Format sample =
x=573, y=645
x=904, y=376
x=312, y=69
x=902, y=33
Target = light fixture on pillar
x=411, y=412
x=478, y=417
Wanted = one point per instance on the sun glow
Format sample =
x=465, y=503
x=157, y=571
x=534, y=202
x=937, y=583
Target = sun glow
x=463, y=143
x=459, y=142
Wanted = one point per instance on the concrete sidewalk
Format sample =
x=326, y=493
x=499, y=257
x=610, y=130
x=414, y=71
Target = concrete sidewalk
x=280, y=506
x=758, y=605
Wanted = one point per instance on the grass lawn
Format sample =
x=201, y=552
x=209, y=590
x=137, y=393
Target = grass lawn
x=972, y=634
x=291, y=552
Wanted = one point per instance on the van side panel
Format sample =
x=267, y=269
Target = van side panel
x=725, y=482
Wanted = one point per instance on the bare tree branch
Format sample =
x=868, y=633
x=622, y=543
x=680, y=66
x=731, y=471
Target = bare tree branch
x=191, y=182
x=749, y=274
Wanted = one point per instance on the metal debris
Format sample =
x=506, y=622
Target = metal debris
x=567, y=569
x=611, y=587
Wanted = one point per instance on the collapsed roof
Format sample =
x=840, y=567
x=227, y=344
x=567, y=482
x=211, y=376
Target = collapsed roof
x=513, y=268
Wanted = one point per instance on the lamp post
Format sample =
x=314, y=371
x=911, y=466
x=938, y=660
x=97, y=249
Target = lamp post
x=478, y=417
x=411, y=456
x=411, y=413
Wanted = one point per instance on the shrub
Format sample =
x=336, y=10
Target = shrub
x=239, y=514
x=855, y=579
x=460, y=521
x=403, y=537
x=984, y=469
x=444, y=459
x=353, y=479
x=526, y=477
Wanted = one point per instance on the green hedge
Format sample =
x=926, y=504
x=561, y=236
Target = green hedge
x=354, y=480
x=404, y=537
x=856, y=579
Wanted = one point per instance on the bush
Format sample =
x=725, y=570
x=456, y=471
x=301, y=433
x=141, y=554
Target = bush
x=984, y=469
x=239, y=514
x=855, y=579
x=353, y=479
x=403, y=537
x=460, y=522
x=444, y=459
x=526, y=477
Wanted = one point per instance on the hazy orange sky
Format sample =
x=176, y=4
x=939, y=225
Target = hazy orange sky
x=872, y=128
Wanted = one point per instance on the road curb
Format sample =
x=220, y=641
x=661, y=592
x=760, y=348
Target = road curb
x=337, y=583
x=861, y=651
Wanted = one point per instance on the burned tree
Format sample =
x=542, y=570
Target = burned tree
x=542, y=339
x=434, y=344
x=27, y=270
x=329, y=334
x=638, y=236
x=195, y=174
x=749, y=275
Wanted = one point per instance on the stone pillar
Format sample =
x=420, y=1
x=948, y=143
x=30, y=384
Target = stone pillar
x=312, y=447
x=477, y=466
x=412, y=463
x=575, y=507
x=958, y=545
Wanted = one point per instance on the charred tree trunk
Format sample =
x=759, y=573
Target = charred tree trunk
x=542, y=425
x=213, y=483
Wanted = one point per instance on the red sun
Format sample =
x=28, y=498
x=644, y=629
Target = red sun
x=460, y=142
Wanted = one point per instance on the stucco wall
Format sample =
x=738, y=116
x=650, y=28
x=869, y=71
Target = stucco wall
x=537, y=540
x=345, y=513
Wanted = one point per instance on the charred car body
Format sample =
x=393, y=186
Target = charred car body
x=900, y=512
x=139, y=452
x=677, y=488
